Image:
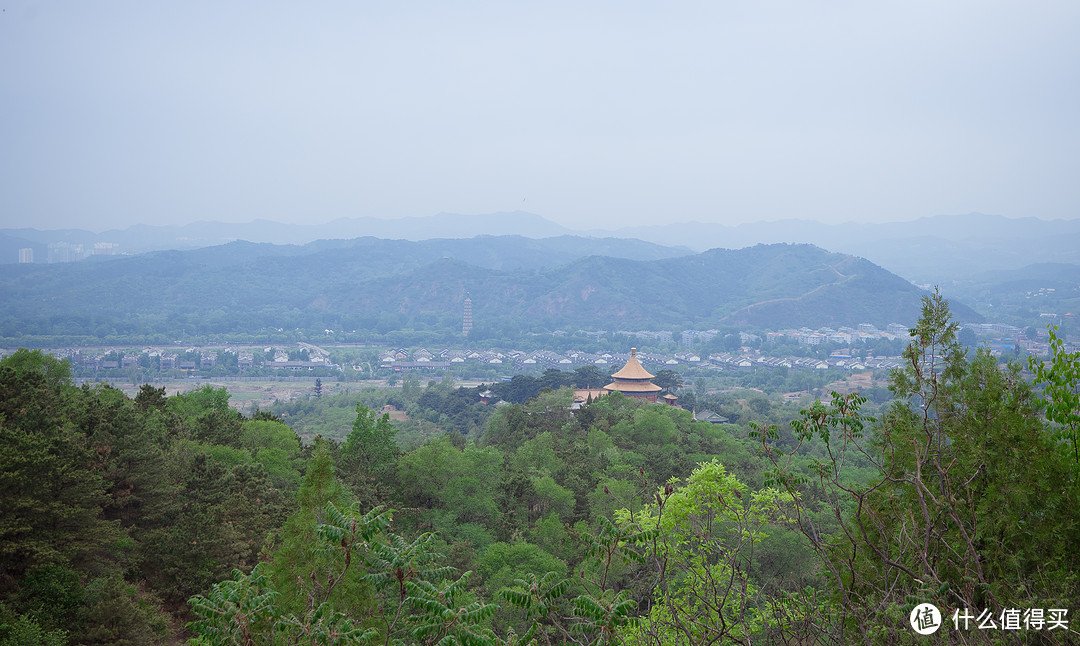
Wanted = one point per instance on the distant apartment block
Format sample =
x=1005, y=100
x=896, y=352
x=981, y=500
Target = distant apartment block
x=106, y=249
x=746, y=337
x=691, y=337
x=995, y=330
x=65, y=252
x=26, y=255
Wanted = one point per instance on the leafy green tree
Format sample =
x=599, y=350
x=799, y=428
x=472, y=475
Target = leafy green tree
x=52, y=373
x=700, y=544
x=537, y=456
x=463, y=486
x=502, y=563
x=1060, y=382
x=204, y=415
x=598, y=613
x=550, y=533
x=276, y=447
x=80, y=476
x=554, y=379
x=118, y=613
x=417, y=600
x=25, y=630
x=240, y=611
x=552, y=497
x=590, y=377
x=668, y=379
x=445, y=614
x=520, y=389
x=218, y=521
x=150, y=397
x=369, y=458
x=961, y=460
x=966, y=337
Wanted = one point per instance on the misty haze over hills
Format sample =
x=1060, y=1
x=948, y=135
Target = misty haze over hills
x=382, y=285
x=935, y=249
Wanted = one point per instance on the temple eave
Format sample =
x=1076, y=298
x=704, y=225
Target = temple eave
x=625, y=387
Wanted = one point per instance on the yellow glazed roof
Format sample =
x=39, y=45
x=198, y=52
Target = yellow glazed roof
x=633, y=387
x=633, y=369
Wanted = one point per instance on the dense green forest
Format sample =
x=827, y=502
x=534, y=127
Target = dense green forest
x=159, y=519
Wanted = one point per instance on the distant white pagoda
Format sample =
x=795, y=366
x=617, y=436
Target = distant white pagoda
x=466, y=325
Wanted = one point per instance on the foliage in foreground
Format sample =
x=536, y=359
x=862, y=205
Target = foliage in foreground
x=970, y=503
x=619, y=523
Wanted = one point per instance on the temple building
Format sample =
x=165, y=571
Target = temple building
x=634, y=381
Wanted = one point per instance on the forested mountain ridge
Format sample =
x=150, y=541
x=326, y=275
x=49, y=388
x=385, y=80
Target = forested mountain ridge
x=931, y=250
x=928, y=250
x=384, y=285
x=769, y=286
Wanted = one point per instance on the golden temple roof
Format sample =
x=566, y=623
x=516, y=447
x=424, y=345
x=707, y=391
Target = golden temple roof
x=633, y=378
x=633, y=369
x=633, y=387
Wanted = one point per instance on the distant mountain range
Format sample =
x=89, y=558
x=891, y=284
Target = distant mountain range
x=143, y=238
x=1036, y=294
x=516, y=284
x=929, y=250
x=926, y=251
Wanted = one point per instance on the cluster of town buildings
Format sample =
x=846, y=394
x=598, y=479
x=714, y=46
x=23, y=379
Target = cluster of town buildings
x=403, y=359
x=68, y=252
x=806, y=336
x=1000, y=338
x=192, y=359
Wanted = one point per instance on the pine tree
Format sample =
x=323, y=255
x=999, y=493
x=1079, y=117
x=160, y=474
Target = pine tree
x=296, y=571
x=51, y=496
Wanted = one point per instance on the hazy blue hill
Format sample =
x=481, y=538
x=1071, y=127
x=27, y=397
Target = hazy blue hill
x=11, y=242
x=1035, y=275
x=1020, y=284
x=928, y=250
x=932, y=259
x=768, y=286
x=253, y=268
x=371, y=284
x=143, y=238
x=934, y=249
x=1020, y=296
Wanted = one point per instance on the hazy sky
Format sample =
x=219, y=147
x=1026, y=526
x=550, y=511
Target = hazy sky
x=591, y=114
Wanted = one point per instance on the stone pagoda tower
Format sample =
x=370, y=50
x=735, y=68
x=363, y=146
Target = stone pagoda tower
x=466, y=325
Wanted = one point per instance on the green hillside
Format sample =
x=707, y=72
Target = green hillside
x=376, y=286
